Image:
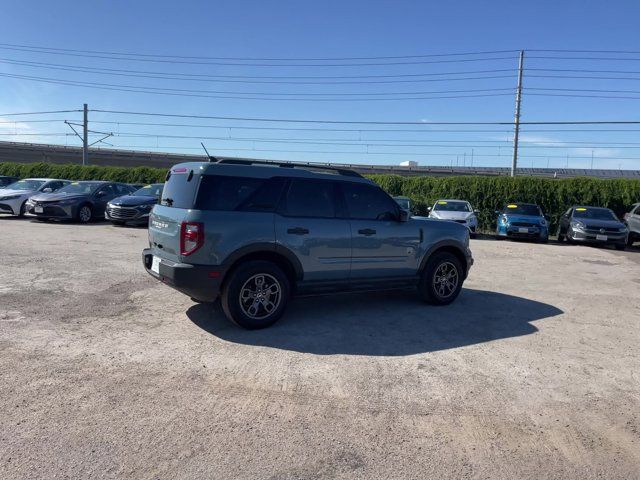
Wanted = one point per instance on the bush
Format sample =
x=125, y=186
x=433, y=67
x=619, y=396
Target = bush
x=485, y=193
x=488, y=194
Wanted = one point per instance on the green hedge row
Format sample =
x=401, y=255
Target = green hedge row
x=79, y=172
x=485, y=193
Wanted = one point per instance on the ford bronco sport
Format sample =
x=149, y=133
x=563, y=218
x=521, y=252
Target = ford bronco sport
x=256, y=233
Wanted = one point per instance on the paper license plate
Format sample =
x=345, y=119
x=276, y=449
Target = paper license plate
x=39, y=210
x=523, y=230
x=603, y=238
x=155, y=265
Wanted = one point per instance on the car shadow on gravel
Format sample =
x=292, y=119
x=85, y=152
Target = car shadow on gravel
x=387, y=324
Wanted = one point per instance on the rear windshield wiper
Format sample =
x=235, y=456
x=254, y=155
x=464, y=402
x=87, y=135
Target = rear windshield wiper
x=167, y=201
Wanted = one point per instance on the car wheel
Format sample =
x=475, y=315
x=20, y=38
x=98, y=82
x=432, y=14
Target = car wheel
x=441, y=280
x=23, y=209
x=255, y=295
x=84, y=214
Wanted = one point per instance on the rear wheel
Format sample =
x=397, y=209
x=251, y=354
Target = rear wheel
x=255, y=295
x=84, y=214
x=441, y=279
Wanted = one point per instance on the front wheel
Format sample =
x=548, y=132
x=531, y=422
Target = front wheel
x=441, y=280
x=255, y=295
x=84, y=214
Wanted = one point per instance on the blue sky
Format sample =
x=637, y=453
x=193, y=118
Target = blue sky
x=331, y=29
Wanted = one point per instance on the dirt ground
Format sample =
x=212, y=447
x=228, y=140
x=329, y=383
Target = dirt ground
x=534, y=372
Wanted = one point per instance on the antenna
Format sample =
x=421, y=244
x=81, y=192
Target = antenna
x=211, y=159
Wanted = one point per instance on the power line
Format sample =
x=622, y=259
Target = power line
x=257, y=58
x=38, y=113
x=415, y=78
x=586, y=58
x=366, y=122
x=252, y=64
x=193, y=93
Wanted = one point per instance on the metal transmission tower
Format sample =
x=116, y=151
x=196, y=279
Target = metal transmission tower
x=516, y=122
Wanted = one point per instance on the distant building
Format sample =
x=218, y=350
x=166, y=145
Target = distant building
x=409, y=163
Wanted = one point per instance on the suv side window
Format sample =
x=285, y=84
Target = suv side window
x=108, y=190
x=224, y=193
x=122, y=189
x=309, y=198
x=366, y=202
x=637, y=210
x=266, y=197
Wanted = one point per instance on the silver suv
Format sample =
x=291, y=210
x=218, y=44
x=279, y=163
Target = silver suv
x=256, y=233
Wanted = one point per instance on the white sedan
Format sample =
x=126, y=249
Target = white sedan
x=459, y=211
x=13, y=197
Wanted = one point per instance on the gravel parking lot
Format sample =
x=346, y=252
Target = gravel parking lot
x=534, y=372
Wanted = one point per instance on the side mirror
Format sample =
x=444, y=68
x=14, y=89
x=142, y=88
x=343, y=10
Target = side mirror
x=428, y=209
x=476, y=211
x=404, y=215
x=47, y=190
x=497, y=212
x=101, y=194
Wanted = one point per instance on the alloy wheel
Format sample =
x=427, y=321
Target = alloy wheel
x=445, y=279
x=260, y=296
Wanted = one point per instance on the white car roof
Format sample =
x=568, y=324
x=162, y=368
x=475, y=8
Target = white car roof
x=45, y=179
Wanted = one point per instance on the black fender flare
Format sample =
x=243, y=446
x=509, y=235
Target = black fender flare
x=448, y=244
x=265, y=247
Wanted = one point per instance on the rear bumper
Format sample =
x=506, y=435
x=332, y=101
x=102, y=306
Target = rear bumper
x=201, y=282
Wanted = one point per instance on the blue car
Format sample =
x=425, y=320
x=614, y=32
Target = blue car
x=523, y=220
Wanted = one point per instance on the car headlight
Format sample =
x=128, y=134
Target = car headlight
x=145, y=208
x=505, y=219
x=472, y=219
x=65, y=202
x=10, y=197
x=578, y=225
x=623, y=230
x=543, y=223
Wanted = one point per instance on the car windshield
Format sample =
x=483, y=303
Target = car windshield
x=149, y=191
x=448, y=206
x=522, y=209
x=594, y=213
x=81, y=187
x=26, y=185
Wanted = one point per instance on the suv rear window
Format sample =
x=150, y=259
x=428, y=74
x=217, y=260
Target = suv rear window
x=178, y=191
x=225, y=193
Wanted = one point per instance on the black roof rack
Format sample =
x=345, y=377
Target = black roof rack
x=307, y=166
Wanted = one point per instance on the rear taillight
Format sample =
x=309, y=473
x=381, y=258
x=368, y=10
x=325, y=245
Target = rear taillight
x=191, y=237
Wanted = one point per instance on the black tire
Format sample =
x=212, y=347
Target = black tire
x=81, y=213
x=543, y=240
x=245, y=281
x=23, y=209
x=439, y=265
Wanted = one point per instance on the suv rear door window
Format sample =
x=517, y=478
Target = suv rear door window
x=225, y=193
x=366, y=202
x=310, y=198
x=179, y=191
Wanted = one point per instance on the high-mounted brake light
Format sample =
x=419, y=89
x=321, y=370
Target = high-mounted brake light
x=179, y=170
x=191, y=237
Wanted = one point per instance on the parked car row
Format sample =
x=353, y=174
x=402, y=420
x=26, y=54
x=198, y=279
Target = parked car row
x=579, y=224
x=82, y=201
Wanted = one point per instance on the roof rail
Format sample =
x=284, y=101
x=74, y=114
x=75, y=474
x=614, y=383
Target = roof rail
x=307, y=166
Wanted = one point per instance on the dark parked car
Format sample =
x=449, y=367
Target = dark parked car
x=522, y=220
x=632, y=221
x=594, y=225
x=134, y=209
x=80, y=201
x=4, y=180
x=257, y=233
